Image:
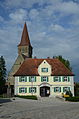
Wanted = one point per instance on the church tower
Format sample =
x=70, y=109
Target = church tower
x=24, y=51
x=25, y=47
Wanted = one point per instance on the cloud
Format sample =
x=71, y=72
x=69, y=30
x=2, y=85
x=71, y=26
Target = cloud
x=33, y=14
x=19, y=15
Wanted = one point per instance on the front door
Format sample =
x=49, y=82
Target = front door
x=44, y=91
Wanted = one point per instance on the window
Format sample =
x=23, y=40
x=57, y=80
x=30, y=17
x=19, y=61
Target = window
x=57, y=89
x=66, y=89
x=57, y=79
x=32, y=90
x=22, y=79
x=23, y=50
x=44, y=78
x=22, y=90
x=66, y=79
x=32, y=79
x=44, y=69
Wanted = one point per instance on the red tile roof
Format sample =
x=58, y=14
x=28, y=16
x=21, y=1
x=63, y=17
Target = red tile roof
x=30, y=68
x=25, y=37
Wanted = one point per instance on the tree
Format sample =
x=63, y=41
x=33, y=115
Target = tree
x=64, y=61
x=2, y=72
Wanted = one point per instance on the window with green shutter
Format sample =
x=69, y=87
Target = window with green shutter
x=44, y=69
x=32, y=90
x=44, y=79
x=57, y=79
x=22, y=90
x=66, y=78
x=32, y=79
x=66, y=89
x=57, y=89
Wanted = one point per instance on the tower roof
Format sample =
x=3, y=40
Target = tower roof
x=25, y=37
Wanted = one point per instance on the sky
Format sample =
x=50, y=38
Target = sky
x=53, y=27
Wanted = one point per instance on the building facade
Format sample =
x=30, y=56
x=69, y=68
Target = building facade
x=43, y=77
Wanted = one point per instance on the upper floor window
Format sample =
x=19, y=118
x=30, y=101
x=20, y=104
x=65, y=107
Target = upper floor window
x=32, y=79
x=44, y=78
x=66, y=79
x=57, y=78
x=22, y=79
x=44, y=69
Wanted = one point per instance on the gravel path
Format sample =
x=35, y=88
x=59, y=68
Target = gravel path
x=44, y=108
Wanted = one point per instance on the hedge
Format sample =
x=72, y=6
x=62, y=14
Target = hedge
x=33, y=97
x=72, y=99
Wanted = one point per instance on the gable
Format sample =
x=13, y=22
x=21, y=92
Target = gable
x=44, y=65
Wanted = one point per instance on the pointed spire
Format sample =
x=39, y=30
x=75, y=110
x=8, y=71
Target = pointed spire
x=25, y=37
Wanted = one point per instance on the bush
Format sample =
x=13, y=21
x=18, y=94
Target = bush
x=72, y=99
x=33, y=97
x=69, y=93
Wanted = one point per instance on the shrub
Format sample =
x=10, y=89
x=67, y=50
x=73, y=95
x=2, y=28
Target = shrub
x=33, y=97
x=69, y=93
x=72, y=99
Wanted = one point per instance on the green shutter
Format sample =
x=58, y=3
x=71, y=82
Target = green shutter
x=68, y=79
x=42, y=69
x=19, y=90
x=63, y=78
x=59, y=79
x=60, y=89
x=63, y=89
x=35, y=78
x=54, y=89
x=25, y=78
x=68, y=88
x=41, y=79
x=47, y=79
x=19, y=79
x=29, y=79
x=47, y=69
x=25, y=90
x=54, y=78
x=29, y=90
x=35, y=89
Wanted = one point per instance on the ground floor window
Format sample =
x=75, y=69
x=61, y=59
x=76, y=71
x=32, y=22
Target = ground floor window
x=22, y=90
x=32, y=90
x=66, y=89
x=57, y=89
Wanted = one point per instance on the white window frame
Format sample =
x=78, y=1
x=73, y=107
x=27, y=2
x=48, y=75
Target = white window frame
x=57, y=78
x=32, y=78
x=66, y=89
x=22, y=79
x=44, y=69
x=32, y=89
x=44, y=78
x=23, y=90
x=65, y=79
x=57, y=89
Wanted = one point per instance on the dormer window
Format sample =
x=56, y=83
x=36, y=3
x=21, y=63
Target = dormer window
x=44, y=69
